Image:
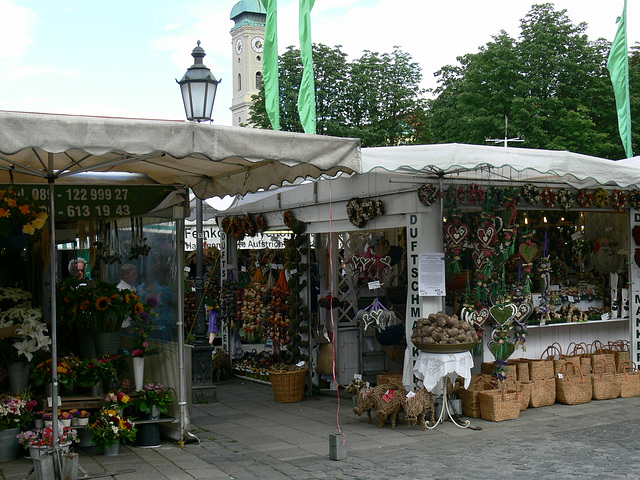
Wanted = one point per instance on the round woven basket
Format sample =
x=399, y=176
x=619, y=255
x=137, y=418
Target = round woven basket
x=288, y=387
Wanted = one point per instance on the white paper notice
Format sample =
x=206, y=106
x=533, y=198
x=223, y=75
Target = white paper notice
x=432, y=275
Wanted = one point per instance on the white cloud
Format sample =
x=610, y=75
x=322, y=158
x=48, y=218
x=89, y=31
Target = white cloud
x=17, y=72
x=16, y=34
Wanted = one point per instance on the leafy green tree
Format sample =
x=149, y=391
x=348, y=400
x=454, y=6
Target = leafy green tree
x=376, y=98
x=551, y=83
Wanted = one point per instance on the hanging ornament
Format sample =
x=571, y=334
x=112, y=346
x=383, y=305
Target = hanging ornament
x=528, y=250
x=428, y=194
x=619, y=200
x=455, y=234
x=585, y=198
x=530, y=193
x=549, y=198
x=476, y=194
x=566, y=198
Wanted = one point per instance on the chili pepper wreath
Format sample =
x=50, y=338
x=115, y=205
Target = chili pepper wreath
x=585, y=198
x=428, y=194
x=549, y=198
x=360, y=211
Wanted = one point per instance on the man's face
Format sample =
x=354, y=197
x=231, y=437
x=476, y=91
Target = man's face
x=131, y=277
x=80, y=271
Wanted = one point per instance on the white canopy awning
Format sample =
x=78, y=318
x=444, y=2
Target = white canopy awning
x=483, y=162
x=212, y=160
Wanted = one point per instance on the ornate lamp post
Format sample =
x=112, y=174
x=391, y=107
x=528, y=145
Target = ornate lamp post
x=198, y=88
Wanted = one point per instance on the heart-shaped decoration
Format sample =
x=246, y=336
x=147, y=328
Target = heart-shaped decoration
x=456, y=233
x=482, y=316
x=479, y=259
x=502, y=351
x=468, y=315
x=528, y=251
x=503, y=314
x=487, y=235
x=522, y=313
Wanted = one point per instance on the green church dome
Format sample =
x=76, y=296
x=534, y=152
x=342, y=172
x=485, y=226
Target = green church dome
x=247, y=6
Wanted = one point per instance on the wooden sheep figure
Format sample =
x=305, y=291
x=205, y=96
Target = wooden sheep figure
x=366, y=400
x=389, y=405
x=415, y=408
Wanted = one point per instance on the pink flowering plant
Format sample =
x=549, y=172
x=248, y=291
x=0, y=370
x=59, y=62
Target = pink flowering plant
x=154, y=394
x=117, y=399
x=142, y=325
x=43, y=437
x=15, y=412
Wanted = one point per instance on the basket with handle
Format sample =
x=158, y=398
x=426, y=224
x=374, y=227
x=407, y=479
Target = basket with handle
x=573, y=389
x=583, y=352
x=469, y=397
x=543, y=392
x=605, y=385
x=620, y=350
x=630, y=384
x=288, y=386
x=600, y=351
x=500, y=404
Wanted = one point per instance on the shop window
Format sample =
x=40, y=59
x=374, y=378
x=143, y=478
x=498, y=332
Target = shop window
x=258, y=80
x=239, y=82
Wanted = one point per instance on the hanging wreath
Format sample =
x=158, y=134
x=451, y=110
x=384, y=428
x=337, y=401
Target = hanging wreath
x=360, y=211
x=531, y=193
x=565, y=198
x=549, y=198
x=619, y=200
x=428, y=194
x=633, y=199
x=476, y=194
x=261, y=223
x=585, y=198
x=601, y=198
x=455, y=194
x=297, y=226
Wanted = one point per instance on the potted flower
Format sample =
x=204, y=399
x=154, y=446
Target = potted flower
x=65, y=418
x=29, y=335
x=102, y=370
x=117, y=400
x=109, y=428
x=154, y=399
x=67, y=373
x=15, y=413
x=141, y=326
x=40, y=440
x=80, y=417
x=38, y=419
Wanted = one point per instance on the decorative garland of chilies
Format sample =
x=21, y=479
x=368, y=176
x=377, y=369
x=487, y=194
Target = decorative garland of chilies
x=585, y=198
x=619, y=200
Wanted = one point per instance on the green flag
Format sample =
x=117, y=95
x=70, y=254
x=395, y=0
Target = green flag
x=307, y=93
x=618, y=66
x=270, y=64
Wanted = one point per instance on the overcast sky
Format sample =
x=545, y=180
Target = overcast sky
x=121, y=58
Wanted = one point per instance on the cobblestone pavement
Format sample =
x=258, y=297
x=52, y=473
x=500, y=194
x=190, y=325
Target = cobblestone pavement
x=247, y=435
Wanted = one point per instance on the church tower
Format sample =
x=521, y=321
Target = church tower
x=247, y=43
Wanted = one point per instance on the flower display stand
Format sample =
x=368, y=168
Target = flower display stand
x=9, y=446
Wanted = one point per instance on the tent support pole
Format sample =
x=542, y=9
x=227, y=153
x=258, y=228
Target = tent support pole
x=182, y=397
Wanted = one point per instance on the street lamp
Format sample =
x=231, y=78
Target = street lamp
x=198, y=87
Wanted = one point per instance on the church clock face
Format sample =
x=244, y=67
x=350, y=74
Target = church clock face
x=239, y=46
x=257, y=43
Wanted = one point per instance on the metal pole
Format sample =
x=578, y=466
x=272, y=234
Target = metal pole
x=200, y=327
x=182, y=394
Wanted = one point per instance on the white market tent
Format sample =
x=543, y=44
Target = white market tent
x=211, y=160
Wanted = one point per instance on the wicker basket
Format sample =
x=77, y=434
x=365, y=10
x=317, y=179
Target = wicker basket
x=540, y=369
x=288, y=387
x=543, y=392
x=499, y=405
x=525, y=394
x=469, y=397
x=620, y=351
x=573, y=389
x=630, y=385
x=605, y=385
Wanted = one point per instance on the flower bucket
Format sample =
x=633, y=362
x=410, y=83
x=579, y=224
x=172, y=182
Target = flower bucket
x=111, y=451
x=148, y=435
x=9, y=446
x=138, y=372
x=18, y=376
x=107, y=342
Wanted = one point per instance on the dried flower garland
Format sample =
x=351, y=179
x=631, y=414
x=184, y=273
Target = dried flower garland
x=585, y=198
x=233, y=226
x=476, y=194
x=619, y=200
x=633, y=199
x=360, y=211
x=428, y=194
x=297, y=226
x=531, y=193
x=565, y=198
x=249, y=225
x=601, y=198
x=549, y=198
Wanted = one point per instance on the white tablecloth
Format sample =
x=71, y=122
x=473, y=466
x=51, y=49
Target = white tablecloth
x=431, y=367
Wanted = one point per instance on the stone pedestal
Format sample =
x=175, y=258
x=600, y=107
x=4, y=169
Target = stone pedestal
x=202, y=388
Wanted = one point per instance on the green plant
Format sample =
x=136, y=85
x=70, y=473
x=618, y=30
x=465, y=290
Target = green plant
x=154, y=394
x=109, y=428
x=106, y=368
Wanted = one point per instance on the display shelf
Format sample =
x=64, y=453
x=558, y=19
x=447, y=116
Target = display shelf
x=566, y=324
